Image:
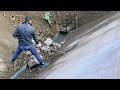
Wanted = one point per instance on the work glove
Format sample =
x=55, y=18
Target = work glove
x=39, y=44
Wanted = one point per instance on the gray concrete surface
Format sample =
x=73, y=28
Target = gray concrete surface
x=95, y=57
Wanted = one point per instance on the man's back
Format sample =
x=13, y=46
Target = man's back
x=25, y=34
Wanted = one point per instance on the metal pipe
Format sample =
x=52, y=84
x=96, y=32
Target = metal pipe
x=20, y=72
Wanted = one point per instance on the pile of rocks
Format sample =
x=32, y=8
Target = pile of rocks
x=49, y=47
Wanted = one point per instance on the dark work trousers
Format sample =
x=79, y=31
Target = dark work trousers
x=30, y=48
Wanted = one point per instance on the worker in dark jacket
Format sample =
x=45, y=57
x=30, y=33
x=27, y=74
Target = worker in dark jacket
x=25, y=33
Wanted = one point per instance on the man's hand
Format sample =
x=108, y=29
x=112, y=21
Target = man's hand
x=39, y=45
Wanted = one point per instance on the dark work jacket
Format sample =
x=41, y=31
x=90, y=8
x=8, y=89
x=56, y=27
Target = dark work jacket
x=25, y=32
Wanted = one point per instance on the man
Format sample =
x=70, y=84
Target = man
x=25, y=33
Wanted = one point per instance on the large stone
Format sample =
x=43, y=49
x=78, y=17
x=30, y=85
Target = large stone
x=57, y=45
x=33, y=61
x=48, y=41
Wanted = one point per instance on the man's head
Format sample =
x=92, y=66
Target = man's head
x=28, y=19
